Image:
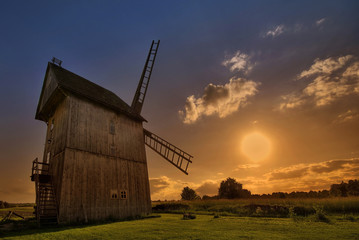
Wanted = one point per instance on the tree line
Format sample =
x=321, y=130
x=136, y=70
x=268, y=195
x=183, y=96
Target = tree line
x=231, y=189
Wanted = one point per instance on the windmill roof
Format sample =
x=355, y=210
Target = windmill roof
x=82, y=87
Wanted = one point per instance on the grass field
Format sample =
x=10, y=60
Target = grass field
x=171, y=226
x=215, y=219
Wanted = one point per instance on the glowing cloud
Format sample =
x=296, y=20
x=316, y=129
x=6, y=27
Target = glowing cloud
x=348, y=116
x=326, y=66
x=221, y=100
x=238, y=62
x=332, y=78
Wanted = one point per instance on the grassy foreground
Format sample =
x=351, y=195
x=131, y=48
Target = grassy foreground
x=171, y=226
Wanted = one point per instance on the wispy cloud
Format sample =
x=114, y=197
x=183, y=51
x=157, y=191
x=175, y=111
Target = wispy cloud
x=275, y=31
x=320, y=21
x=326, y=66
x=239, y=62
x=331, y=79
x=221, y=100
x=348, y=116
x=246, y=166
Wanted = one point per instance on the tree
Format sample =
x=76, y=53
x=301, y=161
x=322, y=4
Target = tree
x=189, y=194
x=353, y=187
x=230, y=189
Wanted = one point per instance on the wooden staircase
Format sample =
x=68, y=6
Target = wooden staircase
x=46, y=207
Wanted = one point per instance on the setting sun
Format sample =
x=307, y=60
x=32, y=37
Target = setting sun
x=255, y=146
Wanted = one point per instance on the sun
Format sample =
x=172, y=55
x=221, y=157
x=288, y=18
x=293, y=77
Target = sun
x=255, y=146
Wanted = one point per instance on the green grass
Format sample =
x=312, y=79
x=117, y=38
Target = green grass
x=171, y=226
x=333, y=218
x=26, y=212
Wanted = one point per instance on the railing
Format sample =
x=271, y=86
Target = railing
x=40, y=174
x=35, y=170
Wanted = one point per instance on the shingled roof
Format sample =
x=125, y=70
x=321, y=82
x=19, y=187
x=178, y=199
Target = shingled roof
x=82, y=87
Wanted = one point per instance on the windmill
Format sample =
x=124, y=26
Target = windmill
x=94, y=164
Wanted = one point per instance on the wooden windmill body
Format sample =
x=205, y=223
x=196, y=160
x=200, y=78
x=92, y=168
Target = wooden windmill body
x=94, y=165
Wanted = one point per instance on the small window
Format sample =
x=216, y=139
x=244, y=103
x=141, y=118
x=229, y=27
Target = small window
x=114, y=194
x=112, y=128
x=123, y=194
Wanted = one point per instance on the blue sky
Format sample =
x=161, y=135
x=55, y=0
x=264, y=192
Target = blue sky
x=272, y=43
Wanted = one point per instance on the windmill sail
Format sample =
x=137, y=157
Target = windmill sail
x=168, y=151
x=145, y=78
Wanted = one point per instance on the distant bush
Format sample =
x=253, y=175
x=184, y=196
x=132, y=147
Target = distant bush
x=257, y=210
x=170, y=207
x=320, y=215
x=187, y=216
x=216, y=215
x=303, y=211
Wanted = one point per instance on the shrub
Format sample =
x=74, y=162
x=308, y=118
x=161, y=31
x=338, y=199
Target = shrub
x=170, y=206
x=188, y=216
x=303, y=211
x=320, y=215
x=216, y=215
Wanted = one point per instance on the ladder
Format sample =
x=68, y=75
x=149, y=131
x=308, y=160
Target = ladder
x=145, y=78
x=46, y=208
x=177, y=157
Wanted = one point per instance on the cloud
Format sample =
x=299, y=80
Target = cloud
x=331, y=79
x=326, y=66
x=221, y=100
x=239, y=62
x=165, y=188
x=320, y=21
x=288, y=173
x=291, y=101
x=246, y=166
x=313, y=176
x=158, y=184
x=337, y=167
x=275, y=32
x=348, y=116
x=299, y=177
x=208, y=188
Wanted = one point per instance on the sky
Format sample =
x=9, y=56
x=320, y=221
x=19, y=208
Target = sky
x=265, y=92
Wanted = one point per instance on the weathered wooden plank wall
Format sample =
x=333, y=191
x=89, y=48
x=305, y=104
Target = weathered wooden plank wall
x=89, y=161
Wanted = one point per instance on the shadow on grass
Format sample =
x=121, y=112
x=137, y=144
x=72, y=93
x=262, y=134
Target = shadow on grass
x=29, y=226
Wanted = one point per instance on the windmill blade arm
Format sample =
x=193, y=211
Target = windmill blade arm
x=177, y=157
x=140, y=94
